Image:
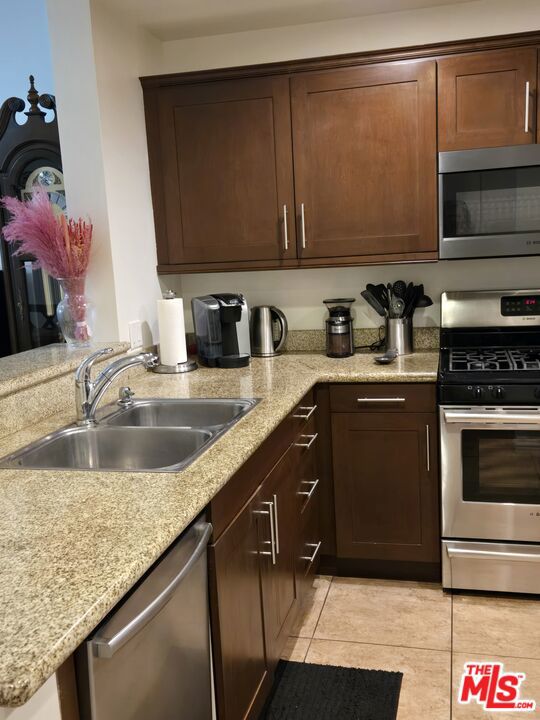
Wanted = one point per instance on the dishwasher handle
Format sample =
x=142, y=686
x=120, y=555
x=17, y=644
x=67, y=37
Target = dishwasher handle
x=106, y=648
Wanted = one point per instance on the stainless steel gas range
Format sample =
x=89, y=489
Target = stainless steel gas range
x=489, y=398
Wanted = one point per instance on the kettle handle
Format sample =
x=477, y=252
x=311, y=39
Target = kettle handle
x=282, y=320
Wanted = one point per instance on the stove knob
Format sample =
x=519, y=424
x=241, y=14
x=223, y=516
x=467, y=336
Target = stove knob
x=477, y=392
x=498, y=392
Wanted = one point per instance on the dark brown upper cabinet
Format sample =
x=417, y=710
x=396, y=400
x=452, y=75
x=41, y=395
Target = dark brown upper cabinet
x=487, y=99
x=365, y=160
x=221, y=171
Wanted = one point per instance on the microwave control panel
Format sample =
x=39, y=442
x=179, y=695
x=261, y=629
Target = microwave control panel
x=520, y=305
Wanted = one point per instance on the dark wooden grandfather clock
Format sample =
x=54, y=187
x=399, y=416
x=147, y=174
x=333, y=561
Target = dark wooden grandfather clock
x=29, y=156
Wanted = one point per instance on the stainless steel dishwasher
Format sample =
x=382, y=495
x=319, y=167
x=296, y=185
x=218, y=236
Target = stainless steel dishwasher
x=150, y=659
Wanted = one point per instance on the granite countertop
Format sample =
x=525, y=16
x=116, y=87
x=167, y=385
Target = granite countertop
x=34, y=366
x=73, y=543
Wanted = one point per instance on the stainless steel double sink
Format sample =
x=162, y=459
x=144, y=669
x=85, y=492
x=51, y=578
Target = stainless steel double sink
x=147, y=435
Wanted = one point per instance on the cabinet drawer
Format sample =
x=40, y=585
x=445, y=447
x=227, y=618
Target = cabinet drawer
x=300, y=421
x=383, y=397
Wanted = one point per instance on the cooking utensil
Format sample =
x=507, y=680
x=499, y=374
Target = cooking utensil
x=424, y=301
x=378, y=294
x=388, y=357
x=398, y=306
x=370, y=298
x=400, y=288
x=263, y=320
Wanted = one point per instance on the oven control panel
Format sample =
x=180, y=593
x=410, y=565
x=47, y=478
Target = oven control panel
x=520, y=305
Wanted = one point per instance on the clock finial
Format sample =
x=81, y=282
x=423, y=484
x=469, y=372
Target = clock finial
x=33, y=99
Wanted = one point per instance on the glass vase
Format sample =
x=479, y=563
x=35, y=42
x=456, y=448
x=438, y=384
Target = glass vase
x=75, y=313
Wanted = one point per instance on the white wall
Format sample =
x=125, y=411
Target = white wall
x=374, y=32
x=300, y=292
x=82, y=153
x=98, y=58
x=121, y=53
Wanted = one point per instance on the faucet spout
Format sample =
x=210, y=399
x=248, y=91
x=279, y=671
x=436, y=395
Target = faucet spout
x=89, y=392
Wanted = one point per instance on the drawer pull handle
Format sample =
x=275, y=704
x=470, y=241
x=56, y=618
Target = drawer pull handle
x=381, y=400
x=310, y=411
x=285, y=229
x=309, y=443
x=272, y=540
x=303, y=225
x=527, y=101
x=276, y=531
x=428, y=452
x=309, y=493
x=311, y=558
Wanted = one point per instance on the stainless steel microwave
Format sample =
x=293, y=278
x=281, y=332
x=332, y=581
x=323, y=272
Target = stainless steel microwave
x=489, y=202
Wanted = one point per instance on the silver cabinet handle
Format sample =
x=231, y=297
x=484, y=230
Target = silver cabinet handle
x=309, y=443
x=285, y=229
x=310, y=411
x=272, y=551
x=276, y=530
x=106, y=648
x=492, y=555
x=527, y=101
x=272, y=530
x=381, y=400
x=428, y=462
x=303, y=225
x=311, y=558
x=308, y=493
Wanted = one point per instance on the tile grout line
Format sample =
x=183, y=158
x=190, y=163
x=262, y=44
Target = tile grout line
x=379, y=644
x=318, y=618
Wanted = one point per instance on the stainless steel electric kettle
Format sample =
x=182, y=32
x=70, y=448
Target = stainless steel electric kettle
x=264, y=319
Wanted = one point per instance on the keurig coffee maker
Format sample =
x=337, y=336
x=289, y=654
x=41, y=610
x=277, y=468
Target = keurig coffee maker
x=339, y=328
x=222, y=329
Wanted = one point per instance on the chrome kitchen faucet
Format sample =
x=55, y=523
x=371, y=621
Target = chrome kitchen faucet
x=89, y=392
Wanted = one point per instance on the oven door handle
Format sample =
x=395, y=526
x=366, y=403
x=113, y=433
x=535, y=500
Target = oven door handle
x=503, y=418
x=492, y=555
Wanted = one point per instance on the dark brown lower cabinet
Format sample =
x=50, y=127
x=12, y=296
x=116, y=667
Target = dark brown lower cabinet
x=385, y=468
x=258, y=568
x=279, y=523
x=240, y=661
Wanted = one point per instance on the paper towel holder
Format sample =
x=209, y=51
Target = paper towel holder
x=184, y=367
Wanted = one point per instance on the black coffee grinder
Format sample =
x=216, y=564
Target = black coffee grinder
x=339, y=328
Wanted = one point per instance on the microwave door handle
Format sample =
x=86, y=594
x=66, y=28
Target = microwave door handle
x=106, y=648
x=503, y=418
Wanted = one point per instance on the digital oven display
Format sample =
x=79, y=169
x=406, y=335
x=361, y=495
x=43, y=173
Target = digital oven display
x=520, y=305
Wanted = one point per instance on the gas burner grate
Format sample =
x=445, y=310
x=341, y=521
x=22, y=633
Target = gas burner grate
x=495, y=359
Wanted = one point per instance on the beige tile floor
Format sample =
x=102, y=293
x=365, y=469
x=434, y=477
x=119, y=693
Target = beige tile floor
x=424, y=633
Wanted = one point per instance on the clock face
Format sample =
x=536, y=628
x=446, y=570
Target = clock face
x=52, y=180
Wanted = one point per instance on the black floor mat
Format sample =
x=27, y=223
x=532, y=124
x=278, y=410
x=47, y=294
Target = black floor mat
x=303, y=691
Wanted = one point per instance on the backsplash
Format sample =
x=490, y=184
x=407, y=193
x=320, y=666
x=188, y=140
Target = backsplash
x=299, y=293
x=298, y=341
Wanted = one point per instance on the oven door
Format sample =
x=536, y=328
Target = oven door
x=490, y=473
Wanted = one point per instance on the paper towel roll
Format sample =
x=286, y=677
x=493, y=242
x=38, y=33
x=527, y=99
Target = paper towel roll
x=172, y=331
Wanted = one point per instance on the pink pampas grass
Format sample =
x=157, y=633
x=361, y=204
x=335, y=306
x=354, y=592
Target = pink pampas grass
x=61, y=247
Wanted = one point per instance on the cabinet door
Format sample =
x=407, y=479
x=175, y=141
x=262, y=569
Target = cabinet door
x=241, y=671
x=385, y=482
x=280, y=501
x=225, y=169
x=365, y=160
x=483, y=99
